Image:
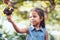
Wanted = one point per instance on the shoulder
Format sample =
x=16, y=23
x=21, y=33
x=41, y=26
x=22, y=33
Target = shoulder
x=44, y=30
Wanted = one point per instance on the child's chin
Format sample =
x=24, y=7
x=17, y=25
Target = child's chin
x=33, y=24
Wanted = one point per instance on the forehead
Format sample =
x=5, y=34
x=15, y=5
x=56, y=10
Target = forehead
x=33, y=13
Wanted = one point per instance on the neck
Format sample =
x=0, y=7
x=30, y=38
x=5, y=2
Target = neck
x=37, y=27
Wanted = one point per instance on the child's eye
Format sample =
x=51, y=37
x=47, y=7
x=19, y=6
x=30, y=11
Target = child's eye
x=34, y=16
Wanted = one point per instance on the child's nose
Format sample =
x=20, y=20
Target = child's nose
x=32, y=18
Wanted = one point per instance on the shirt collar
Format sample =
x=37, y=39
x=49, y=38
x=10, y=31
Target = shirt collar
x=40, y=29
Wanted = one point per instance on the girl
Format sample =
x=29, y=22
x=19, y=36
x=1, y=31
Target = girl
x=36, y=30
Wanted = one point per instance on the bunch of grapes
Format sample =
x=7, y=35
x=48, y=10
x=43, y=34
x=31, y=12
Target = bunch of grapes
x=8, y=11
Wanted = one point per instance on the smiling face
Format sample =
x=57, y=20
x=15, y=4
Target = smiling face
x=34, y=18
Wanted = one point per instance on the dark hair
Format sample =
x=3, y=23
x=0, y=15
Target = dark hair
x=41, y=14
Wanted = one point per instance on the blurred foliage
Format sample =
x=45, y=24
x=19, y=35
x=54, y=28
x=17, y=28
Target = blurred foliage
x=15, y=36
x=52, y=15
x=51, y=37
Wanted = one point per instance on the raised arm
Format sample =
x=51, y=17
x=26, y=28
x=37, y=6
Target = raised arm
x=19, y=30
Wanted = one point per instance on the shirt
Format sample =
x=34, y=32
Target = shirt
x=34, y=34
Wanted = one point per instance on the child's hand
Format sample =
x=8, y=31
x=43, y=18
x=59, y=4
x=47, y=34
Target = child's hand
x=9, y=18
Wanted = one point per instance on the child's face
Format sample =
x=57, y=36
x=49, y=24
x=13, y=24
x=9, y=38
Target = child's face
x=34, y=18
